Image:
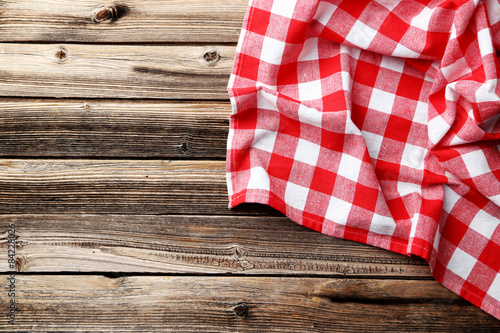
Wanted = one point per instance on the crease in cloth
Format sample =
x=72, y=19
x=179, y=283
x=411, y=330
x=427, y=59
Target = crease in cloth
x=378, y=122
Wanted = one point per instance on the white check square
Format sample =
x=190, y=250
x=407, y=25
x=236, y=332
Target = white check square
x=476, y=163
x=402, y=51
x=373, y=143
x=349, y=167
x=310, y=90
x=310, y=116
x=283, y=7
x=422, y=20
x=267, y=101
x=389, y=4
x=307, y=152
x=437, y=127
x=338, y=211
x=458, y=69
x=405, y=188
x=259, y=179
x=484, y=223
x=461, y=263
x=413, y=156
x=487, y=92
x=361, y=35
x=393, y=63
x=324, y=12
x=382, y=225
x=484, y=39
x=296, y=195
x=421, y=113
x=494, y=290
x=450, y=198
x=264, y=140
x=381, y=101
x=309, y=50
x=272, y=50
x=493, y=10
x=495, y=199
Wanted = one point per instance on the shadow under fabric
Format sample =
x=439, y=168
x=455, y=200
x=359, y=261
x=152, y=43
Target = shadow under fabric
x=378, y=122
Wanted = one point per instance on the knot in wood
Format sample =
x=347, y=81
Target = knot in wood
x=184, y=148
x=109, y=14
x=20, y=264
x=212, y=57
x=86, y=106
x=241, y=310
x=245, y=264
x=61, y=54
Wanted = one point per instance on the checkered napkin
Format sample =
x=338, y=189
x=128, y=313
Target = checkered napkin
x=378, y=122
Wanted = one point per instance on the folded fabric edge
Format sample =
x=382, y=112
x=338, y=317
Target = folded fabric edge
x=487, y=304
x=252, y=195
x=333, y=230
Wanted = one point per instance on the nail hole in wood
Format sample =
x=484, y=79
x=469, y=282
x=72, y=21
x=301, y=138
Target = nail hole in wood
x=212, y=57
x=110, y=14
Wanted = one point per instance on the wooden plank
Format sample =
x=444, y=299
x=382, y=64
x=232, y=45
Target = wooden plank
x=94, y=128
x=115, y=71
x=107, y=186
x=243, y=304
x=193, y=244
x=128, y=21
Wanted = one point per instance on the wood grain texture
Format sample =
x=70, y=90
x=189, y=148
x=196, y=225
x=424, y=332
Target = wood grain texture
x=107, y=186
x=193, y=244
x=243, y=304
x=115, y=71
x=103, y=128
x=146, y=80
x=135, y=21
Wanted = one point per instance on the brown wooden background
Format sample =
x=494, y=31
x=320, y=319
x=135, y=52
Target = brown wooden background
x=113, y=124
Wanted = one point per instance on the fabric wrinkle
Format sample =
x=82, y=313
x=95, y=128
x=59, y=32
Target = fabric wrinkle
x=378, y=122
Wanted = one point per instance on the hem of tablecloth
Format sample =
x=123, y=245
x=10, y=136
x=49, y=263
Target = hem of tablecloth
x=491, y=307
x=336, y=230
x=485, y=303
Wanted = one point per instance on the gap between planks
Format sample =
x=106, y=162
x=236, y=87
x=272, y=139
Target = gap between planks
x=193, y=303
x=193, y=244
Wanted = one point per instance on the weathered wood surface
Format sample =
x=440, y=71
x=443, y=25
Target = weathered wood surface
x=193, y=244
x=131, y=21
x=229, y=304
x=114, y=186
x=115, y=71
x=103, y=128
x=138, y=131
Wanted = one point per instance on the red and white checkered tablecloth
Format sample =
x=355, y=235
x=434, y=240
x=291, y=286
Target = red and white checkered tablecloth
x=378, y=122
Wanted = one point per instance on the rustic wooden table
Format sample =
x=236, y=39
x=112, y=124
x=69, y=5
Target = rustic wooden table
x=113, y=124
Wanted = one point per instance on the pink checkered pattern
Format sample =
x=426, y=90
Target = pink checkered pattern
x=376, y=121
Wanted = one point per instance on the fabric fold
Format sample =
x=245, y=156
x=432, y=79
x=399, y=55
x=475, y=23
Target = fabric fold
x=378, y=122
